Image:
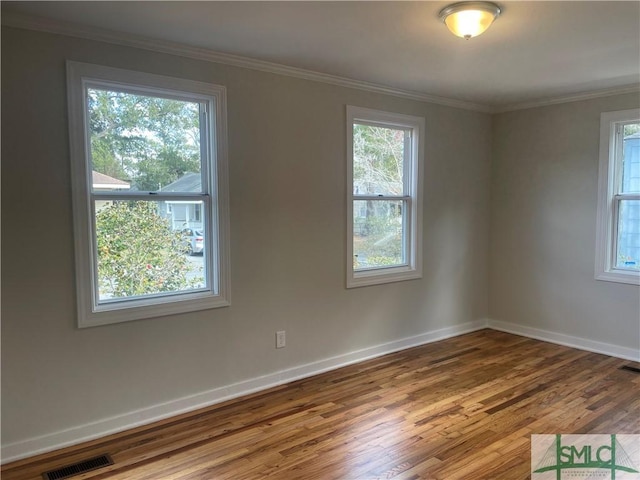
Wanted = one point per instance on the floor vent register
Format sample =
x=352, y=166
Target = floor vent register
x=78, y=468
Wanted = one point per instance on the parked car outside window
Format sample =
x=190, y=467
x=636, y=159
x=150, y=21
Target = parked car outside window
x=195, y=240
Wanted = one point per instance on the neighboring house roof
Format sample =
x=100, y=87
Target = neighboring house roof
x=189, y=182
x=102, y=181
x=632, y=136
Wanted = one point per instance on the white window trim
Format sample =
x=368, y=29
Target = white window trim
x=89, y=312
x=606, y=232
x=413, y=268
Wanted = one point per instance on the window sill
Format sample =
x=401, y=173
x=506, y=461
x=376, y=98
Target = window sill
x=137, y=310
x=380, y=276
x=619, y=276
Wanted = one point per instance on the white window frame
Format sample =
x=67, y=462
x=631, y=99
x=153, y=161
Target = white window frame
x=412, y=169
x=91, y=312
x=609, y=197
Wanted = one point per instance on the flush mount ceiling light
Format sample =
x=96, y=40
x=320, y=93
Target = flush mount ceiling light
x=469, y=19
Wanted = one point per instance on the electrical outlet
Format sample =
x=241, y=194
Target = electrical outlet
x=281, y=339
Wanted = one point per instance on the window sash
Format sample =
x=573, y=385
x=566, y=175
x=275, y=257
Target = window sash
x=406, y=230
x=615, y=217
x=411, y=197
x=407, y=161
x=610, y=197
x=206, y=108
x=210, y=259
x=618, y=196
x=214, y=195
x=626, y=196
x=123, y=195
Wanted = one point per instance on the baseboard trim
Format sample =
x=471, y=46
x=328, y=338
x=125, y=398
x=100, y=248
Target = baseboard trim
x=91, y=431
x=566, y=340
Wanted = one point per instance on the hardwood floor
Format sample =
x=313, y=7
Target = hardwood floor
x=462, y=408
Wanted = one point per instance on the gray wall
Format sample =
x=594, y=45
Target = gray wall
x=544, y=191
x=287, y=191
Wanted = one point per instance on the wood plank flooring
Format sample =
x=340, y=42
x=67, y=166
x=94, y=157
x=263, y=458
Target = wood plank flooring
x=462, y=408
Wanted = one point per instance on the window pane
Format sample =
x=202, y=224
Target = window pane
x=378, y=236
x=629, y=235
x=143, y=143
x=631, y=159
x=142, y=252
x=378, y=156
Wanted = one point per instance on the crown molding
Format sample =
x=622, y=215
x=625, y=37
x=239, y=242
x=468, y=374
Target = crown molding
x=576, y=97
x=28, y=22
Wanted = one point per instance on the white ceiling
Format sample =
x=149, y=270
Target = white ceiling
x=535, y=50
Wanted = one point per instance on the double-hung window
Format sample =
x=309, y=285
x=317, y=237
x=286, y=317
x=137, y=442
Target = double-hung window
x=618, y=231
x=149, y=177
x=384, y=152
